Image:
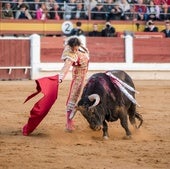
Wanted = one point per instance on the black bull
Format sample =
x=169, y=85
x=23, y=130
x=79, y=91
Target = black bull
x=102, y=101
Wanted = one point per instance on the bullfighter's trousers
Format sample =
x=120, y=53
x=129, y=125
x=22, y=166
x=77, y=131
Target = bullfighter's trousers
x=78, y=77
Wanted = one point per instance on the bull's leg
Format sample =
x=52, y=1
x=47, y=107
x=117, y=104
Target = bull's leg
x=105, y=130
x=124, y=123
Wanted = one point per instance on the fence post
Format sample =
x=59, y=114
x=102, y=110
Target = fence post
x=129, y=48
x=35, y=55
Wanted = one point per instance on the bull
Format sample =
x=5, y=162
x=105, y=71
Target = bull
x=103, y=100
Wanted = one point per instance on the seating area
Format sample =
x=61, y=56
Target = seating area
x=85, y=9
x=21, y=18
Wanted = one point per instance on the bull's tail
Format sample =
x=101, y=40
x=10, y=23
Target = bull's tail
x=140, y=118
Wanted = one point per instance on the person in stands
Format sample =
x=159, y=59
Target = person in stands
x=98, y=12
x=16, y=5
x=109, y=30
x=68, y=9
x=95, y=31
x=140, y=9
x=150, y=27
x=7, y=12
x=77, y=30
x=153, y=11
x=79, y=12
x=42, y=12
x=54, y=12
x=166, y=31
x=23, y=12
x=33, y=7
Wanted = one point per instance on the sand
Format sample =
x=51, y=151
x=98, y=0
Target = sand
x=50, y=147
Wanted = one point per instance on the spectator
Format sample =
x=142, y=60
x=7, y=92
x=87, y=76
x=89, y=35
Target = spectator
x=68, y=9
x=77, y=30
x=34, y=7
x=166, y=31
x=16, y=5
x=150, y=27
x=13, y=4
x=98, y=12
x=23, y=12
x=79, y=12
x=140, y=9
x=50, y=4
x=132, y=15
x=42, y=12
x=95, y=31
x=109, y=30
x=54, y=12
x=116, y=12
x=88, y=6
x=153, y=11
x=7, y=12
x=108, y=6
x=125, y=6
x=165, y=8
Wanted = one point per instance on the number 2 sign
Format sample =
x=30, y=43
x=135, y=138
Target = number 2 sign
x=67, y=26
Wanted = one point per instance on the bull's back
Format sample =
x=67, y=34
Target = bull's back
x=122, y=75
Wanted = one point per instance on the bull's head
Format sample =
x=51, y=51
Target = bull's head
x=88, y=108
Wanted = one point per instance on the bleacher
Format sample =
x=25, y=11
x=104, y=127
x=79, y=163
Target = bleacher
x=51, y=27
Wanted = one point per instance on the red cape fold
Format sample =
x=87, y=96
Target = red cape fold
x=49, y=87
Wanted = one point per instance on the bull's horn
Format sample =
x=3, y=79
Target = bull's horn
x=77, y=108
x=73, y=112
x=95, y=97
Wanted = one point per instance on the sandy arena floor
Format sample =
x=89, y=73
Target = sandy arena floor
x=50, y=147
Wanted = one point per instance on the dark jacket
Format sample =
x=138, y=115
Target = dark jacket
x=98, y=15
x=147, y=29
x=109, y=31
x=166, y=32
x=77, y=32
x=94, y=33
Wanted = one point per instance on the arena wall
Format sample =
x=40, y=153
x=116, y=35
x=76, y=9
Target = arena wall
x=143, y=58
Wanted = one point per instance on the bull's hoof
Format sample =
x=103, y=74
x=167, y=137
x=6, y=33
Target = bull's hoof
x=127, y=137
x=105, y=137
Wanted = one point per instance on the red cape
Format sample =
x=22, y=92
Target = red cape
x=49, y=87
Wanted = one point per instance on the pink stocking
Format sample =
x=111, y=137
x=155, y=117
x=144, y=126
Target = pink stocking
x=69, y=122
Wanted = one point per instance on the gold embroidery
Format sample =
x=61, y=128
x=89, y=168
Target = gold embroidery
x=69, y=54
